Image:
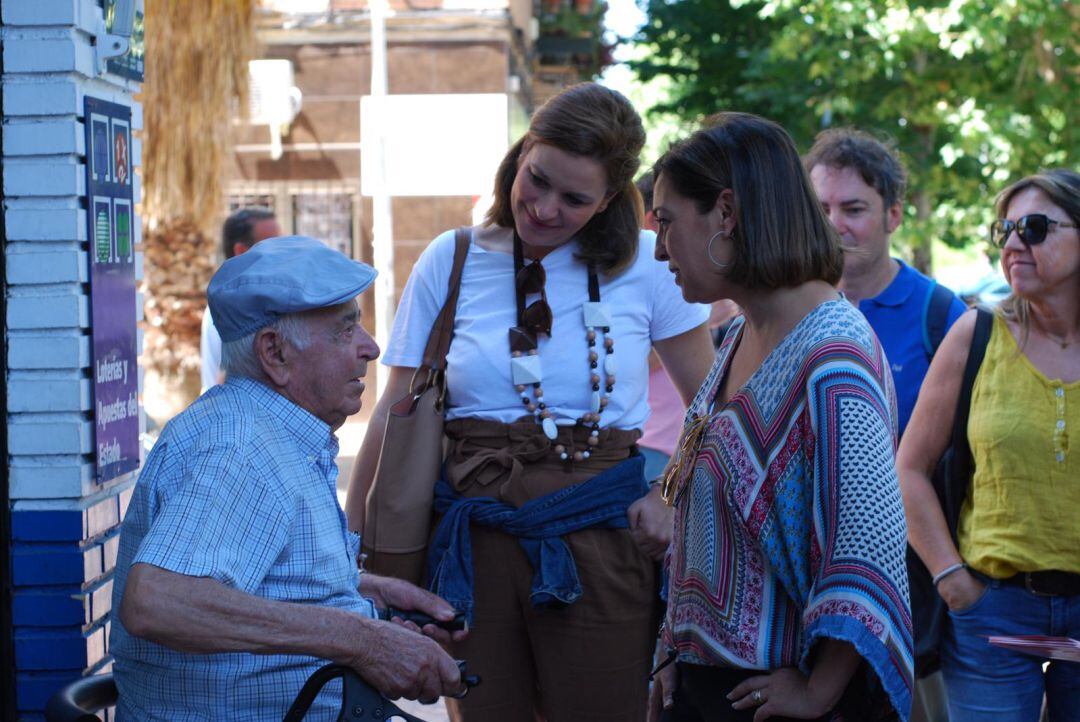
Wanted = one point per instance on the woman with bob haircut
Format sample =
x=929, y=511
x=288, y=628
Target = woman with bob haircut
x=788, y=593
x=1014, y=567
x=559, y=286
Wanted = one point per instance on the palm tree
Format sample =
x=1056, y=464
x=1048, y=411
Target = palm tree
x=197, y=54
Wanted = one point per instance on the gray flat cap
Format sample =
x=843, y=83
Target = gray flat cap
x=279, y=276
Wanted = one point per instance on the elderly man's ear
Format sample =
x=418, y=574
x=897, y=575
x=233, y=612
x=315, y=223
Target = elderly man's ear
x=274, y=355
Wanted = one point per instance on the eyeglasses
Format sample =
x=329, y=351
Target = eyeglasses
x=1031, y=229
x=531, y=279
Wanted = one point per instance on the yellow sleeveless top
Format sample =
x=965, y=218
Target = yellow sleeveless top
x=1022, y=511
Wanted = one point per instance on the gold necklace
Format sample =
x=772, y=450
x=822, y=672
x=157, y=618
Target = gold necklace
x=1061, y=341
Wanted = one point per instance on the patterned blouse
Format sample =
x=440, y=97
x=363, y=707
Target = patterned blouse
x=789, y=526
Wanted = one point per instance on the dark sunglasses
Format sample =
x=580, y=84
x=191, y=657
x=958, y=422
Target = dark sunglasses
x=1031, y=229
x=531, y=279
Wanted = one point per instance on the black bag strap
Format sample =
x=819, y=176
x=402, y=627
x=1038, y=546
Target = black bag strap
x=936, y=318
x=962, y=462
x=442, y=331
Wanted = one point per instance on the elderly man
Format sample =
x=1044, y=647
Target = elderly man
x=237, y=574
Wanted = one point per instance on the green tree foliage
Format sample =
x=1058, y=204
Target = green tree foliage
x=975, y=93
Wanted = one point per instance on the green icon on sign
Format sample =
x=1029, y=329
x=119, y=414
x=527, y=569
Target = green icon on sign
x=102, y=242
x=123, y=232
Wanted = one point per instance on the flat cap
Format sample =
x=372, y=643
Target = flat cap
x=279, y=276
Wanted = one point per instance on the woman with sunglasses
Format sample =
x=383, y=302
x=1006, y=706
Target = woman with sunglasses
x=788, y=594
x=560, y=302
x=1016, y=567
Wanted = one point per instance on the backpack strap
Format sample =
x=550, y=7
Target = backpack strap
x=962, y=462
x=936, y=317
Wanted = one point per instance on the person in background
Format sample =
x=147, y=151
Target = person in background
x=558, y=287
x=236, y=576
x=1016, y=567
x=666, y=407
x=241, y=230
x=788, y=584
x=861, y=184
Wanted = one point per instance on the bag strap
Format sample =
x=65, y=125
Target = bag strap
x=442, y=331
x=936, y=318
x=962, y=462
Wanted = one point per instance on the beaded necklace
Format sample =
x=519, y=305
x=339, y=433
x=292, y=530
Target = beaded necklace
x=525, y=365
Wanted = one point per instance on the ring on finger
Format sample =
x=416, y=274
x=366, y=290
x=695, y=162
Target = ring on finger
x=756, y=696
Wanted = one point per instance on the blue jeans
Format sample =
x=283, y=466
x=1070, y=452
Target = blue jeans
x=987, y=683
x=655, y=462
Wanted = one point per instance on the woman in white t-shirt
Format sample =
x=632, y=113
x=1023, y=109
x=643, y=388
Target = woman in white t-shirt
x=537, y=410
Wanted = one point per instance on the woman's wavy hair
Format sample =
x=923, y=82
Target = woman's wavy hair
x=782, y=238
x=1062, y=187
x=595, y=122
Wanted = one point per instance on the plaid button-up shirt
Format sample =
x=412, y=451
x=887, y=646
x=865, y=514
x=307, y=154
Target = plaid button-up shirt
x=239, y=488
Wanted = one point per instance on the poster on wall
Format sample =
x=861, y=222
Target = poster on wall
x=112, y=287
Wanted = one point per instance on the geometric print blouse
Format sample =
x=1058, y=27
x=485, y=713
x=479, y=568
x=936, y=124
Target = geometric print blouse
x=790, y=527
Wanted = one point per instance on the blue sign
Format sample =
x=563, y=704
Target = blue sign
x=112, y=287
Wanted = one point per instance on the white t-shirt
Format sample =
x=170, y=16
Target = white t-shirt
x=644, y=302
x=210, y=350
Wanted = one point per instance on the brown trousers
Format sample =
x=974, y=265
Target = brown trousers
x=587, y=661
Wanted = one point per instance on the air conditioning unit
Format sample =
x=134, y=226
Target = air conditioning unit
x=275, y=101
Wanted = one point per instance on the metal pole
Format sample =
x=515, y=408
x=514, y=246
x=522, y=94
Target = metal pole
x=382, y=220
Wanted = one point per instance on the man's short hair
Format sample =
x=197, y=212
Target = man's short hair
x=645, y=188
x=875, y=160
x=240, y=228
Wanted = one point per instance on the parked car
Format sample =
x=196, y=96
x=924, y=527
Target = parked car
x=987, y=291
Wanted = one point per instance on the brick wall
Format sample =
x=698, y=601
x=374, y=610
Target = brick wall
x=64, y=525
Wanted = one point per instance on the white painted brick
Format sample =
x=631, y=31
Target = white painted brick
x=42, y=97
x=138, y=257
x=44, y=434
x=136, y=116
x=51, y=477
x=136, y=150
x=136, y=191
x=138, y=238
x=49, y=394
x=44, y=178
x=63, y=266
x=57, y=311
x=139, y=350
x=95, y=494
x=46, y=224
x=139, y=303
x=41, y=12
x=62, y=136
x=60, y=350
x=49, y=55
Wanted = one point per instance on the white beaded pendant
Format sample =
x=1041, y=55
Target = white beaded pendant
x=526, y=370
x=596, y=314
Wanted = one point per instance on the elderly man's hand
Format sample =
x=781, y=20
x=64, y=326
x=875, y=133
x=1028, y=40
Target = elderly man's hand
x=401, y=663
x=390, y=592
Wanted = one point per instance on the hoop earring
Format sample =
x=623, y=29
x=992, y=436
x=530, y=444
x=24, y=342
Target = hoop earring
x=708, y=250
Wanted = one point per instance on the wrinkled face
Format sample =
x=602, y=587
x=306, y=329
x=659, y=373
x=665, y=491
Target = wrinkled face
x=858, y=212
x=683, y=241
x=1035, y=271
x=325, y=378
x=555, y=194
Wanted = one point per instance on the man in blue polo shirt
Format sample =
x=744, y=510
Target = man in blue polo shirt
x=861, y=182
